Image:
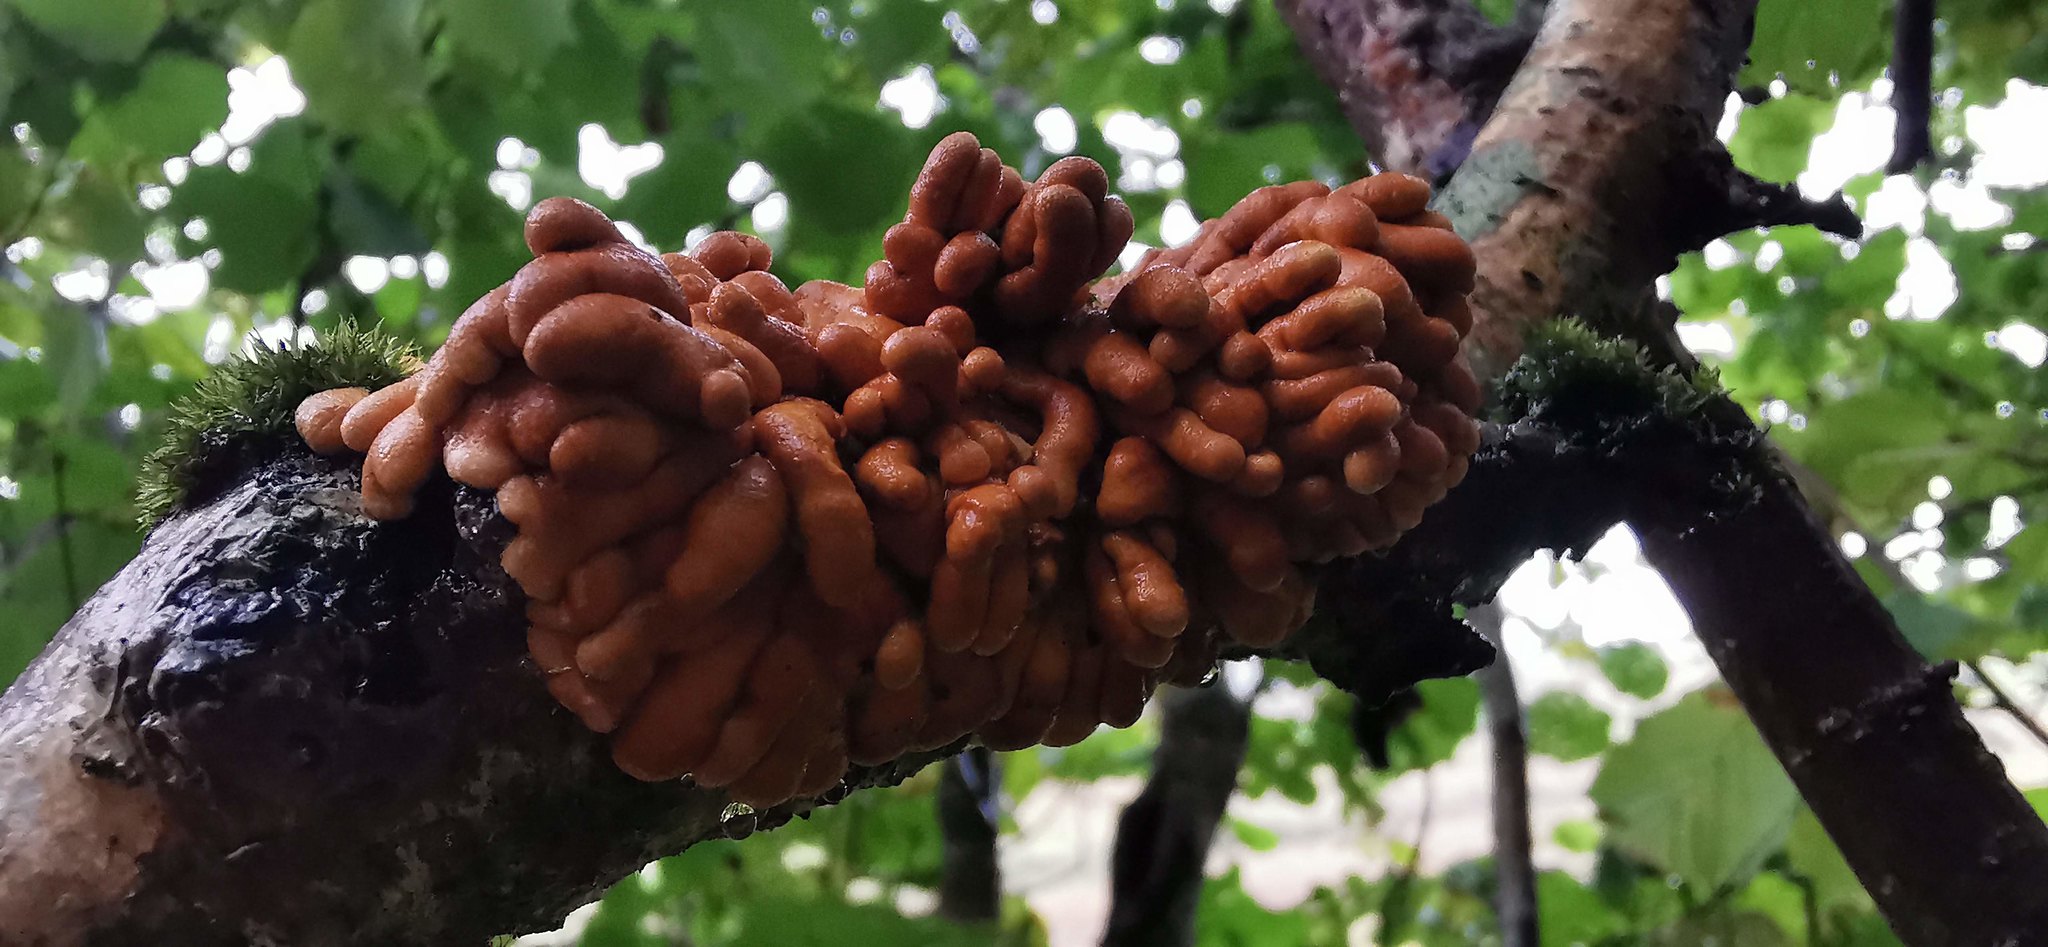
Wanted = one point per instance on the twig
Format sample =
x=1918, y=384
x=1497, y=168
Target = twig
x=1912, y=84
x=1513, y=865
x=2004, y=701
x=64, y=518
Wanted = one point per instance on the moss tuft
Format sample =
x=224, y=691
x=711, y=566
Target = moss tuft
x=252, y=398
x=1570, y=372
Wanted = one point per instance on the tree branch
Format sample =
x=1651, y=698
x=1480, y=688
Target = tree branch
x=1586, y=184
x=970, y=881
x=1912, y=84
x=2004, y=701
x=1415, y=77
x=1514, y=867
x=1600, y=166
x=1163, y=837
x=284, y=722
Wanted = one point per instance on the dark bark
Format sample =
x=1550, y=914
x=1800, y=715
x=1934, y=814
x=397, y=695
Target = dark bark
x=284, y=723
x=1416, y=78
x=1514, y=868
x=1163, y=837
x=1870, y=733
x=970, y=881
x=1912, y=84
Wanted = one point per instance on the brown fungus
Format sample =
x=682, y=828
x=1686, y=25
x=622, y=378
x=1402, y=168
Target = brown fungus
x=768, y=533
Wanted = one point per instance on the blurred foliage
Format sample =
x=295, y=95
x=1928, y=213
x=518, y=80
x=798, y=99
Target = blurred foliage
x=186, y=179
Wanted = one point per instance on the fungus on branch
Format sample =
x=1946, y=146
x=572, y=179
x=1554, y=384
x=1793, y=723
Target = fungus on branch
x=767, y=533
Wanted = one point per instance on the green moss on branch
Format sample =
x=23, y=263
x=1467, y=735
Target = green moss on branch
x=1572, y=376
x=249, y=400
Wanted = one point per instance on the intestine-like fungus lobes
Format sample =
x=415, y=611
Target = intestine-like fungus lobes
x=766, y=533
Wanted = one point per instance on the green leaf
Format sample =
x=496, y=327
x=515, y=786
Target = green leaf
x=60, y=570
x=358, y=61
x=1564, y=726
x=510, y=34
x=1940, y=631
x=262, y=221
x=807, y=156
x=1230, y=918
x=1696, y=793
x=1877, y=446
x=1721, y=927
x=765, y=57
x=1780, y=899
x=1257, y=838
x=19, y=183
x=93, y=212
x=1814, y=857
x=1450, y=711
x=1225, y=166
x=177, y=100
x=1577, y=835
x=1569, y=913
x=1805, y=39
x=101, y=30
x=1773, y=140
x=686, y=190
x=1635, y=669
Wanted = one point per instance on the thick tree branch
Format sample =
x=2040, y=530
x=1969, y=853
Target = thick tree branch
x=283, y=723
x=1599, y=167
x=278, y=690
x=1871, y=735
x=1587, y=182
x=1415, y=77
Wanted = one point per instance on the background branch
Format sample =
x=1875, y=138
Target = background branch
x=1514, y=867
x=1163, y=836
x=1912, y=76
x=1415, y=77
x=970, y=881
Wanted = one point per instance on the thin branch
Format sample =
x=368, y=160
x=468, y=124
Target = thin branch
x=2004, y=701
x=1912, y=84
x=73, y=592
x=1513, y=863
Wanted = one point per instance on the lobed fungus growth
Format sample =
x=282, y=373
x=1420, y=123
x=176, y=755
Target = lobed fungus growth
x=766, y=533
